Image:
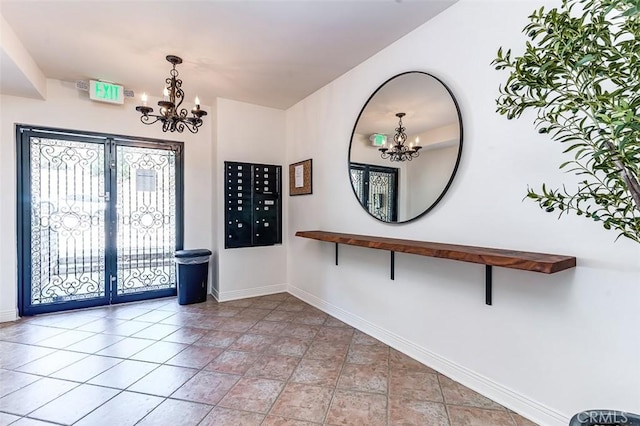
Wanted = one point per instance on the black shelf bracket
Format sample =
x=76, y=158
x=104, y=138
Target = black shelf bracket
x=488, y=276
x=488, y=284
x=393, y=265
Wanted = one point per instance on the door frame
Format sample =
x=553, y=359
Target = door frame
x=24, y=132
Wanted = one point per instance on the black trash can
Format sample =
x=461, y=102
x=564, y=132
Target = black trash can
x=192, y=275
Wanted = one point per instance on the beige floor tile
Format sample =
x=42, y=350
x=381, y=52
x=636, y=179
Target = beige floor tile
x=75, y=404
x=156, y=331
x=34, y=396
x=224, y=416
x=159, y=352
x=195, y=357
x=413, y=385
x=367, y=354
x=51, y=363
x=87, y=368
x=281, y=421
x=62, y=340
x=327, y=351
x=289, y=346
x=185, y=335
x=333, y=322
x=11, y=381
x=172, y=412
x=364, y=378
x=7, y=419
x=270, y=328
x=317, y=372
x=252, y=394
x=300, y=331
x=125, y=409
x=400, y=361
x=276, y=367
x=163, y=381
x=126, y=347
x=233, y=362
x=95, y=343
x=360, y=338
x=521, y=421
x=252, y=343
x=127, y=328
x=357, y=408
x=25, y=421
x=410, y=412
x=206, y=387
x=472, y=416
x=457, y=394
x=124, y=374
x=334, y=335
x=218, y=339
x=303, y=402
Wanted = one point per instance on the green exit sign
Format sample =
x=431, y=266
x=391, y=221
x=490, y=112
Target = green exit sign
x=378, y=139
x=106, y=92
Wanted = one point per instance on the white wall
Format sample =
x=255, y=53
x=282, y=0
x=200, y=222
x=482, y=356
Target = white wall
x=68, y=108
x=252, y=134
x=550, y=345
x=428, y=176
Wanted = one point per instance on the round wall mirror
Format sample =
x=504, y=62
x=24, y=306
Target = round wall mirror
x=405, y=147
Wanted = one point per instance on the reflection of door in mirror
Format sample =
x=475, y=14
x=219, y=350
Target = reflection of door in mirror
x=410, y=110
x=377, y=189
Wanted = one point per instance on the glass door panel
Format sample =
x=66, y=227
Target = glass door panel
x=146, y=220
x=67, y=223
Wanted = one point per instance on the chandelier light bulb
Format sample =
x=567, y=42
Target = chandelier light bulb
x=197, y=101
x=165, y=93
x=417, y=140
x=144, y=99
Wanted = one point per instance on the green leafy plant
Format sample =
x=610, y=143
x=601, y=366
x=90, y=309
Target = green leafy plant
x=580, y=73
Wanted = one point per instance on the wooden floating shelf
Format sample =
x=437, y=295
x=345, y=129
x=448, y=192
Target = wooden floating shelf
x=523, y=260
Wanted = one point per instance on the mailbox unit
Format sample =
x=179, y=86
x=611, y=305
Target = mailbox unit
x=253, y=211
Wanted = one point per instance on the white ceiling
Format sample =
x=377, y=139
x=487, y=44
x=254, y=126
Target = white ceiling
x=271, y=53
x=426, y=102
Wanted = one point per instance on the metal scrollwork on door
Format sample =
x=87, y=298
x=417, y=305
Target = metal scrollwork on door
x=146, y=208
x=67, y=220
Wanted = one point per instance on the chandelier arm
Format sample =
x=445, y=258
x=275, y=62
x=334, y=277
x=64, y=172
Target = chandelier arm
x=146, y=119
x=192, y=128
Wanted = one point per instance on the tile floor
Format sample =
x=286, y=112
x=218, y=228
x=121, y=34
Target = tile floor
x=271, y=360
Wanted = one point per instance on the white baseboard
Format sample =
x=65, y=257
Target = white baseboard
x=226, y=296
x=521, y=404
x=6, y=316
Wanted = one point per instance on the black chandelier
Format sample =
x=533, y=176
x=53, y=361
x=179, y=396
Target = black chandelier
x=170, y=115
x=399, y=151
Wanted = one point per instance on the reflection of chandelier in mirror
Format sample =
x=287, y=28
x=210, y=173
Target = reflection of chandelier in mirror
x=399, y=151
x=172, y=117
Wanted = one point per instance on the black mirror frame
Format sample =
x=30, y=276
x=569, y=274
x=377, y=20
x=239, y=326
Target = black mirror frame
x=455, y=168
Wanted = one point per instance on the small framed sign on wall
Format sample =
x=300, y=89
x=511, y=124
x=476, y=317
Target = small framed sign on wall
x=300, y=178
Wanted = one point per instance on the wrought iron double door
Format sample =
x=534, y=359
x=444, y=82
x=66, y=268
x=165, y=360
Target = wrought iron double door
x=99, y=219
